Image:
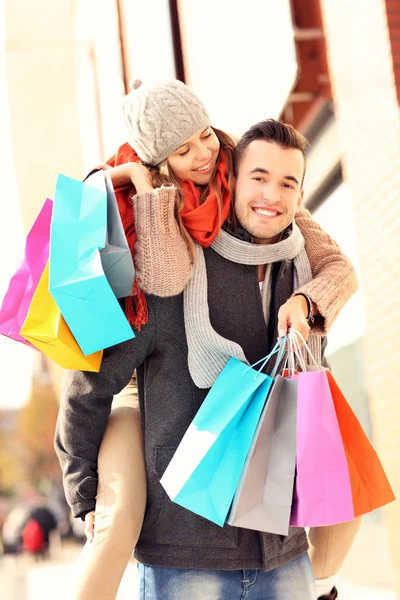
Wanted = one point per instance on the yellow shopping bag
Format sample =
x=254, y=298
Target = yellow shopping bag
x=45, y=328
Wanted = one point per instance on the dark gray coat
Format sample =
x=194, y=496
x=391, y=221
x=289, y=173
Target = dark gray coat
x=172, y=536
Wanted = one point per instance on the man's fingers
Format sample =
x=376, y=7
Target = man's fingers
x=303, y=328
x=288, y=319
x=282, y=321
x=89, y=526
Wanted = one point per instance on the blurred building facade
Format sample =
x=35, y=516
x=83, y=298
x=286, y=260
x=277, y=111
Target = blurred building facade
x=330, y=67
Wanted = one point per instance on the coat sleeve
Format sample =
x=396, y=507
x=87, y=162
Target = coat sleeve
x=162, y=259
x=335, y=279
x=84, y=409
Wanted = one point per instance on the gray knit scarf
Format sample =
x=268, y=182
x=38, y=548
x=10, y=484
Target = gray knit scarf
x=208, y=351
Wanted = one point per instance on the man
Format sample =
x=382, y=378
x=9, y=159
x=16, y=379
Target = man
x=229, y=308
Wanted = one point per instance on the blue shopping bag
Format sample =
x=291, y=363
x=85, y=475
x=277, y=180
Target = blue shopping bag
x=206, y=467
x=77, y=280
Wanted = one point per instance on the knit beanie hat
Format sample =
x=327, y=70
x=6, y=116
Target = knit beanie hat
x=161, y=116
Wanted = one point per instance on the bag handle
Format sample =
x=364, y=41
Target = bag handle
x=290, y=362
x=290, y=345
x=284, y=342
x=294, y=335
x=282, y=351
x=287, y=351
x=264, y=360
x=297, y=356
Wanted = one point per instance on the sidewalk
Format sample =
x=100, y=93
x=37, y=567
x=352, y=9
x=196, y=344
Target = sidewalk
x=366, y=575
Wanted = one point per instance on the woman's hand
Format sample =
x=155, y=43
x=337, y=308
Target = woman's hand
x=134, y=173
x=294, y=314
x=141, y=178
x=89, y=526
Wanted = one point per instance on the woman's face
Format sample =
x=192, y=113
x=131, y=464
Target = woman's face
x=196, y=158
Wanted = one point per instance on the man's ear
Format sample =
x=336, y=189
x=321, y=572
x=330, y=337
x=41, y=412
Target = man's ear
x=300, y=200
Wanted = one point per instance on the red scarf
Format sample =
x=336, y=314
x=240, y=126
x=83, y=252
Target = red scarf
x=201, y=220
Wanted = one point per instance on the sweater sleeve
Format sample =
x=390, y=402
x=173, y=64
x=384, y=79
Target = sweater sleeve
x=84, y=409
x=162, y=259
x=335, y=279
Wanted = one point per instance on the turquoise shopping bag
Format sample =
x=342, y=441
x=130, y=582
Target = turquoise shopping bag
x=78, y=283
x=206, y=467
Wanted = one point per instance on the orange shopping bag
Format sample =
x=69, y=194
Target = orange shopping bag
x=369, y=485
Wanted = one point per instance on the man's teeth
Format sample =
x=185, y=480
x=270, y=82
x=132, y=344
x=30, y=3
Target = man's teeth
x=207, y=166
x=267, y=213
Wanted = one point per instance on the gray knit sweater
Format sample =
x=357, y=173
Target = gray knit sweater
x=172, y=536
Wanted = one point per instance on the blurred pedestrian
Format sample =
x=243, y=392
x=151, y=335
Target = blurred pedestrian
x=12, y=530
x=36, y=531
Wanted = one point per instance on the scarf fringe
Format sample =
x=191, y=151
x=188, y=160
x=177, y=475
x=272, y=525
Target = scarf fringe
x=136, y=309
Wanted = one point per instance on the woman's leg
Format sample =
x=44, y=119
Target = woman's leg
x=329, y=547
x=120, y=503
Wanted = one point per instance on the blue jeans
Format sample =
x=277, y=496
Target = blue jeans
x=292, y=581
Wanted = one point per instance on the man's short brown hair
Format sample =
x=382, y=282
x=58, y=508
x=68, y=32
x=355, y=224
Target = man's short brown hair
x=271, y=130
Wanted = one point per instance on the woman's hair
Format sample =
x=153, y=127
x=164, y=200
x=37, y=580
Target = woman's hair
x=162, y=174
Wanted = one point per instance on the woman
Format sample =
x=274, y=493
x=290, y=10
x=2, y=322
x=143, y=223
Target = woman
x=192, y=162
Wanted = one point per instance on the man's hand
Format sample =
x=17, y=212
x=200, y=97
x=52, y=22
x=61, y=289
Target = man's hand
x=89, y=526
x=294, y=314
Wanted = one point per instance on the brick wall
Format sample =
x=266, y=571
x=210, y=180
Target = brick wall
x=366, y=104
x=393, y=17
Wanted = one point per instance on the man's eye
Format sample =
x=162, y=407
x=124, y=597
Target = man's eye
x=257, y=179
x=287, y=185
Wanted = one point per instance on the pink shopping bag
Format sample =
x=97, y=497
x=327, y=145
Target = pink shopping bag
x=322, y=493
x=24, y=282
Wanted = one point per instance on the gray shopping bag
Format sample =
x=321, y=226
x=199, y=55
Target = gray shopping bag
x=264, y=495
x=116, y=257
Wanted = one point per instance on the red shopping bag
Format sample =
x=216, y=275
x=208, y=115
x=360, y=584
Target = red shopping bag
x=369, y=485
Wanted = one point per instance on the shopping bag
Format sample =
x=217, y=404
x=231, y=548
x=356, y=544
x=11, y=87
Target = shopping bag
x=369, y=484
x=263, y=498
x=205, y=469
x=77, y=280
x=116, y=257
x=322, y=494
x=45, y=329
x=24, y=282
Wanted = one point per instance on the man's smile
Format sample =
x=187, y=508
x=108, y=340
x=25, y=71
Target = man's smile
x=266, y=212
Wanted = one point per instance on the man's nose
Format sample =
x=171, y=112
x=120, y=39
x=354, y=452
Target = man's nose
x=271, y=192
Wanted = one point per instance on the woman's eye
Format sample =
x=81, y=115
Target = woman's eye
x=183, y=153
x=206, y=136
